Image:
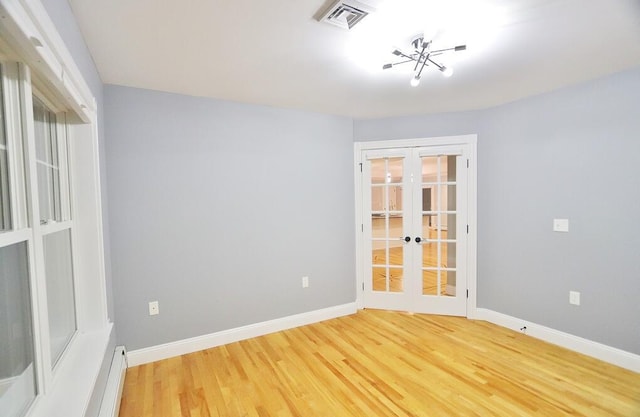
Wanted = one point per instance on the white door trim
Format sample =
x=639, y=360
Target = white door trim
x=469, y=140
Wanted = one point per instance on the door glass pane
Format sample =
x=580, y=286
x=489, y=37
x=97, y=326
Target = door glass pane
x=429, y=282
x=47, y=162
x=379, y=279
x=377, y=199
x=449, y=197
x=395, y=198
x=394, y=170
x=449, y=255
x=379, y=226
x=60, y=293
x=430, y=254
x=450, y=223
x=378, y=171
x=395, y=227
x=379, y=254
x=427, y=196
x=17, y=368
x=5, y=208
x=429, y=169
x=396, y=254
x=443, y=168
x=395, y=279
x=449, y=283
x=429, y=222
x=450, y=162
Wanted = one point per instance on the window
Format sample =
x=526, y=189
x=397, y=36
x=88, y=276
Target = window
x=60, y=294
x=53, y=200
x=17, y=368
x=47, y=161
x=17, y=354
x=34, y=252
x=5, y=208
x=53, y=332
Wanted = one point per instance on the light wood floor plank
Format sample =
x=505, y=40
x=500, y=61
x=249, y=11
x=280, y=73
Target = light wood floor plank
x=381, y=363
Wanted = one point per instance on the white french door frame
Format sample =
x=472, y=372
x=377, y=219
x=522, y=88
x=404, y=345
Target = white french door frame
x=470, y=142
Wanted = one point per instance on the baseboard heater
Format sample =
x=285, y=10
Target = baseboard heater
x=110, y=406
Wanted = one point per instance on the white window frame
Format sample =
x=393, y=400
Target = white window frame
x=28, y=36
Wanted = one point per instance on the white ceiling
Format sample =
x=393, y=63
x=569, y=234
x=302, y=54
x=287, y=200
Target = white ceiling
x=274, y=52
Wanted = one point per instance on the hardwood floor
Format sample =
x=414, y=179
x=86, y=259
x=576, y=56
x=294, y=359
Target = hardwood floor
x=380, y=363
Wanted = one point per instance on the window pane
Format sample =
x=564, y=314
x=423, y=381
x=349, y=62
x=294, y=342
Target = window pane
x=17, y=369
x=60, y=294
x=5, y=208
x=47, y=161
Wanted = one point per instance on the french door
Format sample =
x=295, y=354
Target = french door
x=415, y=229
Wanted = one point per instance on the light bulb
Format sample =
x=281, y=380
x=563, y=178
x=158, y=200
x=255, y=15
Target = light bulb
x=447, y=72
x=415, y=81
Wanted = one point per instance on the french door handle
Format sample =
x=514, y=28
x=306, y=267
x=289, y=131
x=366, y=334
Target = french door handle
x=407, y=239
x=418, y=239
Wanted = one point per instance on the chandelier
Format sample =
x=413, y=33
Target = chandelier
x=423, y=55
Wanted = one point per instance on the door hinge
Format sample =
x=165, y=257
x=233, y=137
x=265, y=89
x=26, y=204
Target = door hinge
x=467, y=163
x=362, y=227
x=467, y=229
x=360, y=166
x=363, y=286
x=467, y=293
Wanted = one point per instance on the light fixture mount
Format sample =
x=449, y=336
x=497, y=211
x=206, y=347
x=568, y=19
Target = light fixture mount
x=422, y=55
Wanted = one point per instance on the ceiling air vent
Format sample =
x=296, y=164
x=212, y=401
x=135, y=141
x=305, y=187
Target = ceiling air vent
x=346, y=13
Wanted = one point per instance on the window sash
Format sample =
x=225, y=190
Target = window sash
x=51, y=280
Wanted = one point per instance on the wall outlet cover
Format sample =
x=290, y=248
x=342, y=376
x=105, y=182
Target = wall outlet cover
x=154, y=308
x=574, y=298
x=560, y=225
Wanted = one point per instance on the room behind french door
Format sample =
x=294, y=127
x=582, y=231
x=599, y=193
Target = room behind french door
x=415, y=228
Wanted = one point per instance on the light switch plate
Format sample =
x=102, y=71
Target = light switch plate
x=560, y=225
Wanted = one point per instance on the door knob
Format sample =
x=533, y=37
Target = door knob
x=418, y=239
x=407, y=239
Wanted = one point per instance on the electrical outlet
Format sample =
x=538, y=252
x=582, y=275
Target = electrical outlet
x=560, y=225
x=574, y=298
x=305, y=282
x=154, y=308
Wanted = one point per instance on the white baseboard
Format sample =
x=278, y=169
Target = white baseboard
x=587, y=347
x=194, y=344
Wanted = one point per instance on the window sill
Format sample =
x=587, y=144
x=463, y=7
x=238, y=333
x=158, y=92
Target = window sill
x=75, y=376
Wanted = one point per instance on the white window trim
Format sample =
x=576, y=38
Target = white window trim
x=15, y=154
x=28, y=35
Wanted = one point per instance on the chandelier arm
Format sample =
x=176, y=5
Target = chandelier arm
x=424, y=46
x=443, y=50
x=402, y=54
x=453, y=48
x=403, y=62
x=435, y=63
x=424, y=63
x=393, y=64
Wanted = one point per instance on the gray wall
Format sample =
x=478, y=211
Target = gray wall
x=570, y=154
x=218, y=209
